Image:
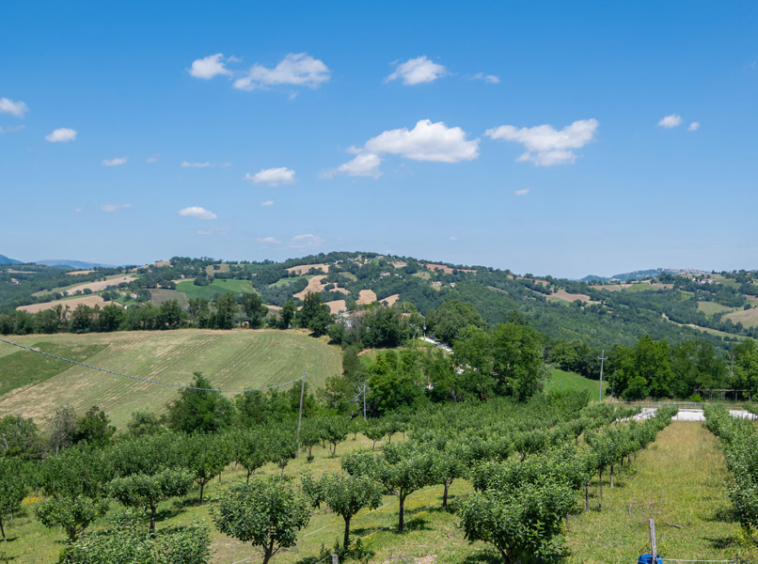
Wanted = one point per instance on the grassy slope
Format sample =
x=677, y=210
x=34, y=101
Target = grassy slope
x=748, y=317
x=214, y=289
x=562, y=380
x=231, y=359
x=678, y=480
x=709, y=308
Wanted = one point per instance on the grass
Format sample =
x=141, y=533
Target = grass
x=71, y=287
x=25, y=368
x=288, y=281
x=748, y=317
x=562, y=380
x=159, y=296
x=234, y=359
x=212, y=290
x=710, y=308
x=680, y=482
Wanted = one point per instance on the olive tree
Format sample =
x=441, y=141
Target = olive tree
x=266, y=513
x=12, y=489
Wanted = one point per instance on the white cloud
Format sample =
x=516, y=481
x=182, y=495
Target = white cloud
x=453, y=238
x=417, y=71
x=111, y=208
x=305, y=241
x=17, y=109
x=670, y=121
x=268, y=241
x=522, y=192
x=209, y=67
x=214, y=231
x=489, y=78
x=63, y=135
x=546, y=146
x=186, y=164
x=366, y=164
x=426, y=142
x=151, y=160
x=114, y=162
x=694, y=126
x=298, y=69
x=267, y=203
x=78, y=210
x=272, y=176
x=198, y=213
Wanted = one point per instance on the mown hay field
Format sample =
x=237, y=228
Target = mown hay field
x=232, y=360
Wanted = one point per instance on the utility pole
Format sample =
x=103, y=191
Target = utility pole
x=602, y=360
x=364, y=401
x=300, y=416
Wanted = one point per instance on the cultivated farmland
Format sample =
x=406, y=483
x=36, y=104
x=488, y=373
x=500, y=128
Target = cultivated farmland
x=231, y=359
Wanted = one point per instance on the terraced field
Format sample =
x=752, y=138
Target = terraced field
x=231, y=359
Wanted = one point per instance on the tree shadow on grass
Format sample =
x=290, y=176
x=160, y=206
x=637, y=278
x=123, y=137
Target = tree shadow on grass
x=723, y=543
x=166, y=513
x=724, y=514
x=489, y=556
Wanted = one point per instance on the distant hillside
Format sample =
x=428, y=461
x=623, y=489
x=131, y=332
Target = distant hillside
x=63, y=263
x=640, y=274
x=6, y=260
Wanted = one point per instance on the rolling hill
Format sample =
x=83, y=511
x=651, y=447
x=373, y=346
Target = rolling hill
x=7, y=260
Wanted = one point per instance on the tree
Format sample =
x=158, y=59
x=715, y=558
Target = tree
x=314, y=315
x=130, y=543
x=199, y=311
x=287, y=314
x=19, y=437
x=523, y=524
x=335, y=430
x=144, y=422
x=345, y=495
x=226, y=310
x=250, y=450
x=149, y=470
x=200, y=410
x=13, y=488
x=266, y=513
x=517, y=360
x=254, y=309
x=61, y=428
x=170, y=315
x=451, y=317
x=94, y=428
x=206, y=457
x=74, y=482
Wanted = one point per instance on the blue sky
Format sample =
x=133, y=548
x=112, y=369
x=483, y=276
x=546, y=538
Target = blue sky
x=545, y=137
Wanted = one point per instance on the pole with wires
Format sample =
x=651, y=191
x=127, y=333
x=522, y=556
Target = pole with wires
x=364, y=400
x=300, y=416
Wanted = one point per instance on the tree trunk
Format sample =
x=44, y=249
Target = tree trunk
x=248, y=475
x=11, y=518
x=611, y=475
x=202, y=488
x=346, y=540
x=601, y=487
x=267, y=554
x=506, y=558
x=444, y=495
x=401, y=521
x=2, y=530
x=586, y=497
x=373, y=446
x=153, y=512
x=567, y=523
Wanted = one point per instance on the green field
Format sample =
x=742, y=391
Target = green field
x=159, y=296
x=212, y=290
x=709, y=308
x=288, y=281
x=562, y=380
x=232, y=360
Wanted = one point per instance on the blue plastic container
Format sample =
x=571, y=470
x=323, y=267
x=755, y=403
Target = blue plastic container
x=648, y=559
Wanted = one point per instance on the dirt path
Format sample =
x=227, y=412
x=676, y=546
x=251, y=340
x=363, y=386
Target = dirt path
x=679, y=482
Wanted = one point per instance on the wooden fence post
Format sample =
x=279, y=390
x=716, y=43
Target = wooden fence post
x=652, y=540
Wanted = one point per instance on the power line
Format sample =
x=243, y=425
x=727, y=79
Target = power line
x=147, y=380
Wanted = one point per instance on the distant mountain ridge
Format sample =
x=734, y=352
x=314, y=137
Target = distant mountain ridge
x=8, y=260
x=641, y=274
x=71, y=263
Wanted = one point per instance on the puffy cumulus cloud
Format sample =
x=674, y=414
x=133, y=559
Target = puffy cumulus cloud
x=670, y=121
x=111, y=208
x=198, y=213
x=186, y=164
x=427, y=141
x=305, y=241
x=272, y=176
x=268, y=241
x=522, y=192
x=17, y=109
x=546, y=146
x=208, y=67
x=694, y=126
x=114, y=162
x=489, y=78
x=214, y=231
x=62, y=135
x=296, y=69
x=417, y=71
